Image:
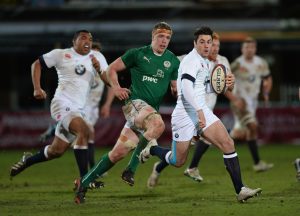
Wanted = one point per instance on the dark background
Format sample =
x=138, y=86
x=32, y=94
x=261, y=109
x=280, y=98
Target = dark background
x=29, y=29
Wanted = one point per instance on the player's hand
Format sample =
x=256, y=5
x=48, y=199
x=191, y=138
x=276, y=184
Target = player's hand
x=121, y=93
x=201, y=119
x=230, y=80
x=95, y=63
x=105, y=111
x=39, y=94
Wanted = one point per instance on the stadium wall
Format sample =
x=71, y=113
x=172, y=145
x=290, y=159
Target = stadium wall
x=22, y=129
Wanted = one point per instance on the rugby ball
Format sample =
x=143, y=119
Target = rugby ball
x=217, y=79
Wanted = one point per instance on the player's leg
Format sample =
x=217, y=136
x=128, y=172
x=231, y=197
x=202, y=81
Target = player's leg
x=49, y=152
x=158, y=167
x=91, y=146
x=49, y=133
x=192, y=171
x=125, y=143
x=217, y=134
x=259, y=165
x=149, y=121
x=79, y=127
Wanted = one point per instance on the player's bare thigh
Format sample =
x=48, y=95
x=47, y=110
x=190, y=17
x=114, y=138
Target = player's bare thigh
x=218, y=136
x=126, y=142
x=139, y=120
x=80, y=128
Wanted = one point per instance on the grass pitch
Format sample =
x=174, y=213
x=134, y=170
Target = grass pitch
x=46, y=189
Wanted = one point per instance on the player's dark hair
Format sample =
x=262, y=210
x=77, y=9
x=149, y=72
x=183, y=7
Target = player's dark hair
x=202, y=31
x=76, y=34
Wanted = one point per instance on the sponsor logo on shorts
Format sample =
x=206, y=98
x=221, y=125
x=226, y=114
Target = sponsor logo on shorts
x=68, y=109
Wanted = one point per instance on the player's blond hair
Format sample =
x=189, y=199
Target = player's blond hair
x=162, y=27
x=215, y=36
x=249, y=40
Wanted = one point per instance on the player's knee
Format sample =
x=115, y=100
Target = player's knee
x=116, y=155
x=155, y=126
x=228, y=144
x=121, y=149
x=54, y=153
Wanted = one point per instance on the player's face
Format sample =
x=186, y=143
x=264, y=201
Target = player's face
x=203, y=45
x=249, y=50
x=215, y=48
x=83, y=43
x=160, y=42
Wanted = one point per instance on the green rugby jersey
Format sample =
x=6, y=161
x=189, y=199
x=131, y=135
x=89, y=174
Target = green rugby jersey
x=150, y=74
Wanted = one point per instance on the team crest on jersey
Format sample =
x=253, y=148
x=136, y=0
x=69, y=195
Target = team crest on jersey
x=80, y=69
x=167, y=64
x=159, y=73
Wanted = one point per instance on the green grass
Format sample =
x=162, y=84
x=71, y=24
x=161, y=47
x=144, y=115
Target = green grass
x=46, y=189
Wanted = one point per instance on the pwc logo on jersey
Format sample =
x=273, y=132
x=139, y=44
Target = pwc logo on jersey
x=149, y=79
x=80, y=69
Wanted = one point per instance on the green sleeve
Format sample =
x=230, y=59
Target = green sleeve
x=129, y=58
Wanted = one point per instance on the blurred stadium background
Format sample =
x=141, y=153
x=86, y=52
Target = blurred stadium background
x=30, y=28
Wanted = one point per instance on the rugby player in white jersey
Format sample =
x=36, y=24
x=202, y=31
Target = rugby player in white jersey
x=91, y=111
x=251, y=72
x=76, y=68
x=192, y=115
x=201, y=145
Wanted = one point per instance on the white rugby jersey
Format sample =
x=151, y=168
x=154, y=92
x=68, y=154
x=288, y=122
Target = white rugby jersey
x=248, y=76
x=75, y=73
x=199, y=68
x=96, y=92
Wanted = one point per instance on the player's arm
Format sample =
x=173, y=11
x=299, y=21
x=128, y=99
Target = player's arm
x=174, y=88
x=36, y=69
x=267, y=84
x=230, y=78
x=112, y=77
x=105, y=109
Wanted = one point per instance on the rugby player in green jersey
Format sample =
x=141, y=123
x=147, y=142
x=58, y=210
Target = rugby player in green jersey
x=153, y=69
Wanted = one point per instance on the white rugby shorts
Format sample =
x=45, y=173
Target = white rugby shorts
x=63, y=112
x=184, y=124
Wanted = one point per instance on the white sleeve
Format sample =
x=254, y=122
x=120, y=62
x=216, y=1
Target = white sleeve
x=189, y=94
x=227, y=65
x=102, y=61
x=51, y=58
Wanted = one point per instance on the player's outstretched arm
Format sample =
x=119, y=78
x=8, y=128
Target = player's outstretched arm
x=36, y=69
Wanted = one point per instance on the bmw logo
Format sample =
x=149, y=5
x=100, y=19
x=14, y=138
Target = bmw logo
x=80, y=69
